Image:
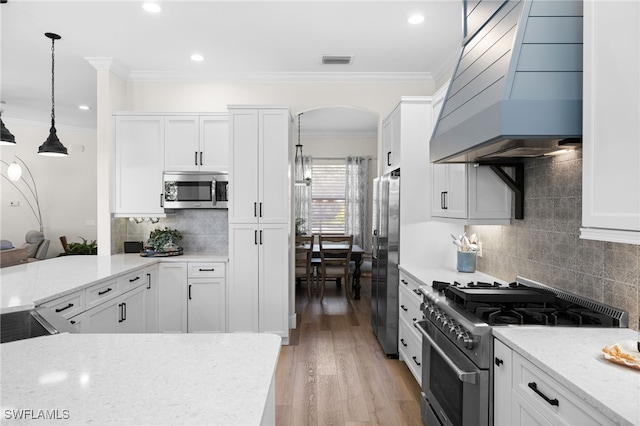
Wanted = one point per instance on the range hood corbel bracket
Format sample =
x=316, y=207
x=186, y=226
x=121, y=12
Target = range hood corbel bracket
x=515, y=184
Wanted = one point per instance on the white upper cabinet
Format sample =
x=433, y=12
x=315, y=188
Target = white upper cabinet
x=259, y=176
x=139, y=163
x=392, y=140
x=611, y=102
x=196, y=143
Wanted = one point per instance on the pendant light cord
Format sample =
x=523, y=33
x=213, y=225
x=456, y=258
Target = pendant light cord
x=53, y=102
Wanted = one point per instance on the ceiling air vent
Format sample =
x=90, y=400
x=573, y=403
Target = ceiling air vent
x=336, y=60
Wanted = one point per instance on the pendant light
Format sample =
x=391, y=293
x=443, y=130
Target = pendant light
x=305, y=180
x=6, y=138
x=52, y=146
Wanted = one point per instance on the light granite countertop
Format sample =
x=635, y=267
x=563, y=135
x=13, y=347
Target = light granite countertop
x=573, y=356
x=34, y=283
x=427, y=274
x=140, y=379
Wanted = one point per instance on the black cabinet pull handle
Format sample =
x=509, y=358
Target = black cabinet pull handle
x=261, y=237
x=255, y=237
x=65, y=308
x=100, y=293
x=206, y=269
x=404, y=308
x=534, y=387
x=148, y=281
x=120, y=312
x=124, y=312
x=403, y=343
x=389, y=158
x=416, y=291
x=189, y=291
x=415, y=359
x=498, y=362
x=161, y=200
x=134, y=279
x=255, y=209
x=404, y=282
x=260, y=208
x=72, y=322
x=195, y=158
x=446, y=200
x=201, y=158
x=442, y=200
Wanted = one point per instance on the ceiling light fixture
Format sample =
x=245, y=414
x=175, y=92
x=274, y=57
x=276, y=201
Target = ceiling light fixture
x=152, y=7
x=6, y=138
x=416, y=19
x=52, y=146
x=304, y=180
x=197, y=57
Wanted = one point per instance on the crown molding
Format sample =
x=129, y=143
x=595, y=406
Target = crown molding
x=347, y=134
x=374, y=77
x=46, y=125
x=109, y=64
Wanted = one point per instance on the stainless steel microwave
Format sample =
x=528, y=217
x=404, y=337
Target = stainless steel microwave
x=195, y=190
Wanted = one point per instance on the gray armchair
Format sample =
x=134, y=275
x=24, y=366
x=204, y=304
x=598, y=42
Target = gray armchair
x=36, y=245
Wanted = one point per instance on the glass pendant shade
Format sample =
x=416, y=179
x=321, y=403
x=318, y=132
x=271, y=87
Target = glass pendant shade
x=14, y=171
x=52, y=147
x=6, y=138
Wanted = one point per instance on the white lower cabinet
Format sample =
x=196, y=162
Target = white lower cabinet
x=151, y=298
x=123, y=314
x=409, y=338
x=526, y=395
x=191, y=297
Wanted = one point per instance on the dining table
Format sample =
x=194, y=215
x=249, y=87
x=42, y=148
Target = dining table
x=356, y=256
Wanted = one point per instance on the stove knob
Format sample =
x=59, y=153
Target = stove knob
x=464, y=339
x=453, y=328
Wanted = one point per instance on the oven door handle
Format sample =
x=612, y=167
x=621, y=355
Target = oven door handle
x=463, y=376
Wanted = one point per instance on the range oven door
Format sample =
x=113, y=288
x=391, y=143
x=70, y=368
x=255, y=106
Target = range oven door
x=455, y=390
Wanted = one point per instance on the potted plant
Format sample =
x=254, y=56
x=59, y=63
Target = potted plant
x=164, y=240
x=300, y=226
x=84, y=247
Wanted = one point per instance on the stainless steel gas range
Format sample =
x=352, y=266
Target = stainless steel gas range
x=457, y=343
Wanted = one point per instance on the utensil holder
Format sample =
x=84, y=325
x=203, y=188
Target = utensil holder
x=466, y=261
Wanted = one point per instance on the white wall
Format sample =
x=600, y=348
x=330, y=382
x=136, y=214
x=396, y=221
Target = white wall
x=66, y=186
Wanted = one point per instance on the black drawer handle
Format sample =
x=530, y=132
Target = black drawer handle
x=134, y=279
x=65, y=308
x=404, y=282
x=404, y=308
x=121, y=312
x=534, y=387
x=416, y=291
x=403, y=343
x=100, y=293
x=498, y=362
x=415, y=359
x=206, y=270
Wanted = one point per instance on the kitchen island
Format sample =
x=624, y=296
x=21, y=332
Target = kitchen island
x=138, y=379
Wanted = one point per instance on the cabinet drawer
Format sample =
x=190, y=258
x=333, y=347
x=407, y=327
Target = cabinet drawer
x=69, y=305
x=409, y=306
x=131, y=281
x=412, y=285
x=205, y=270
x=101, y=292
x=551, y=399
x=410, y=349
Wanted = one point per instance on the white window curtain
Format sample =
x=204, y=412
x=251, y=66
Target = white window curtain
x=303, y=195
x=356, y=196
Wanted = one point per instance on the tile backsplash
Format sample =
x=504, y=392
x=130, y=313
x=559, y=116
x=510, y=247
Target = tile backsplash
x=545, y=246
x=203, y=230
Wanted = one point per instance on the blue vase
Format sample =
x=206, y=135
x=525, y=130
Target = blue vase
x=466, y=261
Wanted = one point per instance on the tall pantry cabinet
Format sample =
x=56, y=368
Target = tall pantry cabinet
x=259, y=219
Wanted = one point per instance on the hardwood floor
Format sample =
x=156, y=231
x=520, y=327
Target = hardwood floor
x=334, y=371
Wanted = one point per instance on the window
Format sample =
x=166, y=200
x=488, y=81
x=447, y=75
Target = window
x=327, y=196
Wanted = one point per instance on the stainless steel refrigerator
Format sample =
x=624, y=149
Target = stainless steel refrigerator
x=386, y=256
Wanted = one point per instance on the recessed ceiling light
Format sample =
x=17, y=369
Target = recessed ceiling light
x=152, y=7
x=197, y=57
x=416, y=19
x=84, y=107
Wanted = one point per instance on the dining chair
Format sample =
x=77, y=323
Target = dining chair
x=335, y=254
x=304, y=253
